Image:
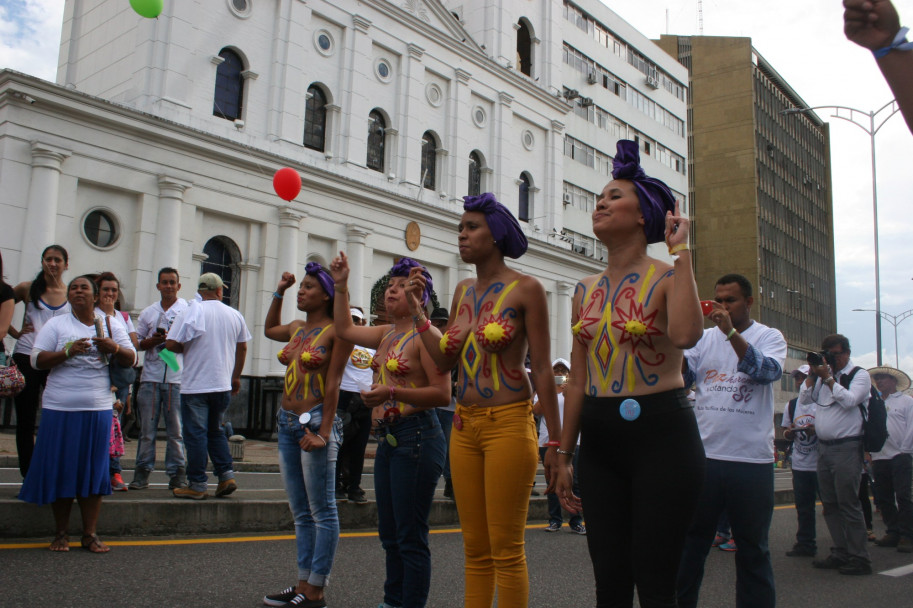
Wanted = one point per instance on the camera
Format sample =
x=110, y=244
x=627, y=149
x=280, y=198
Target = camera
x=818, y=359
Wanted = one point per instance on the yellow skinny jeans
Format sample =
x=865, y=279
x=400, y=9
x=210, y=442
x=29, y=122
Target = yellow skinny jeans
x=493, y=462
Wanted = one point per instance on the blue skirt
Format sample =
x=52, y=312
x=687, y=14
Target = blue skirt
x=71, y=457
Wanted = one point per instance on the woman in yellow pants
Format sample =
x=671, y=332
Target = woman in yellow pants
x=493, y=451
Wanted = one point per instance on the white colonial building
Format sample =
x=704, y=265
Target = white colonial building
x=158, y=143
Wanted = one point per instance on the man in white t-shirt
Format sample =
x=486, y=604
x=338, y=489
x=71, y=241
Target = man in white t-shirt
x=213, y=338
x=733, y=367
x=799, y=425
x=159, y=391
x=893, y=464
x=838, y=388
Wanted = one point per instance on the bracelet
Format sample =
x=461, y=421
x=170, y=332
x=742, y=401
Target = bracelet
x=679, y=247
x=565, y=452
x=278, y=295
x=731, y=333
x=322, y=439
x=66, y=352
x=553, y=444
x=899, y=44
x=423, y=328
x=393, y=394
x=340, y=288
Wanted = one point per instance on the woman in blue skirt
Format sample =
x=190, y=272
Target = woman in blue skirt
x=71, y=452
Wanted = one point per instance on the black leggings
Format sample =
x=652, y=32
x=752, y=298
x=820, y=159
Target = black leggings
x=639, y=482
x=351, y=459
x=27, y=403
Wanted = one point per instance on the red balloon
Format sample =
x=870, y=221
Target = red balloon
x=287, y=183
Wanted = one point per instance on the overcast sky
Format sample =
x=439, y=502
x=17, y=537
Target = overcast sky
x=803, y=40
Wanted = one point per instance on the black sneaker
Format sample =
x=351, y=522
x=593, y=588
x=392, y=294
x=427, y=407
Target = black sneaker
x=357, y=496
x=280, y=599
x=801, y=551
x=448, y=489
x=856, y=567
x=830, y=562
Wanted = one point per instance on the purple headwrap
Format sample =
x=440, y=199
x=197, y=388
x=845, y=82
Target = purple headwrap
x=402, y=268
x=323, y=277
x=655, y=197
x=505, y=229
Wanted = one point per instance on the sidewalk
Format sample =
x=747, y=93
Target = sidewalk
x=156, y=512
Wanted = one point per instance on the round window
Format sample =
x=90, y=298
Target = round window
x=479, y=118
x=240, y=8
x=100, y=228
x=324, y=42
x=383, y=70
x=240, y=5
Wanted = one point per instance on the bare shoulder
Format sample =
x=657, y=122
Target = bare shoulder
x=21, y=291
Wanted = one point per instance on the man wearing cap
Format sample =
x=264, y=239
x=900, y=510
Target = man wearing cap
x=213, y=338
x=838, y=425
x=893, y=465
x=356, y=418
x=799, y=425
x=160, y=387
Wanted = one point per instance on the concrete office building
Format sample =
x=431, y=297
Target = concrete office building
x=760, y=187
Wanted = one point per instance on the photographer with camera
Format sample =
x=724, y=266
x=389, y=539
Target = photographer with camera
x=837, y=388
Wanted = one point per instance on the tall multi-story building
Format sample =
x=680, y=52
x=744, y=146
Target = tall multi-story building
x=760, y=188
x=158, y=142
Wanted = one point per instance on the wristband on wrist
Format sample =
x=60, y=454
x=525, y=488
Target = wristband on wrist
x=66, y=352
x=731, y=333
x=553, y=444
x=393, y=393
x=898, y=44
x=278, y=295
x=679, y=247
x=322, y=439
x=565, y=452
x=424, y=327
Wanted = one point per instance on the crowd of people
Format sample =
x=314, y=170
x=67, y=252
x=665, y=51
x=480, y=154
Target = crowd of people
x=457, y=394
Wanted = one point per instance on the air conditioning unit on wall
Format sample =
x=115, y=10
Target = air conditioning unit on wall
x=592, y=78
x=653, y=82
x=567, y=198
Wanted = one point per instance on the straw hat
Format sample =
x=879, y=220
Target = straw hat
x=903, y=380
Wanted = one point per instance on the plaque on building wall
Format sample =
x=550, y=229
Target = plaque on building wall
x=413, y=236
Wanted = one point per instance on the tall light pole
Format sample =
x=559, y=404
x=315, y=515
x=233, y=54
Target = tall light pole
x=867, y=122
x=894, y=320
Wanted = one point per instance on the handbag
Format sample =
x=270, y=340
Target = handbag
x=11, y=380
x=121, y=377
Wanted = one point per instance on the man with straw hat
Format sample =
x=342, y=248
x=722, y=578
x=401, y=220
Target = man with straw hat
x=893, y=465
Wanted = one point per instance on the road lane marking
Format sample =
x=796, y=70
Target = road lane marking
x=896, y=572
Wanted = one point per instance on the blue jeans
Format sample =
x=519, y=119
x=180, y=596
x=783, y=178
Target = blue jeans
x=152, y=400
x=805, y=491
x=746, y=492
x=310, y=479
x=554, y=504
x=445, y=417
x=202, y=415
x=405, y=477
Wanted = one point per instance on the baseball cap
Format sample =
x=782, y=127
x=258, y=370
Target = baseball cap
x=210, y=282
x=439, y=314
x=356, y=313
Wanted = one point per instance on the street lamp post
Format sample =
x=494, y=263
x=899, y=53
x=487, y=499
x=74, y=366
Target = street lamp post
x=894, y=320
x=867, y=122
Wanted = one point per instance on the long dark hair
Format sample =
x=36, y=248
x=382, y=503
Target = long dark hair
x=40, y=284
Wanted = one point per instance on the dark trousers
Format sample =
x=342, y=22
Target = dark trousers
x=893, y=480
x=746, y=492
x=805, y=492
x=355, y=433
x=27, y=403
x=639, y=482
x=865, y=483
x=445, y=417
x=554, y=504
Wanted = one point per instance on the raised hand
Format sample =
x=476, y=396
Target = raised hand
x=415, y=287
x=339, y=269
x=677, y=227
x=287, y=280
x=871, y=24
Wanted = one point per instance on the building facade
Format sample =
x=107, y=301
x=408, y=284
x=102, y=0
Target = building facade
x=760, y=188
x=158, y=143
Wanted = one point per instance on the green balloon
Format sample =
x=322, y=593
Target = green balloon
x=148, y=8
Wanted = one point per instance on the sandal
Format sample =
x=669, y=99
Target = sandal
x=61, y=542
x=94, y=545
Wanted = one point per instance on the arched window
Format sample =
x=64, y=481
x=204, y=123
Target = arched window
x=523, y=211
x=429, y=158
x=223, y=257
x=475, y=174
x=376, y=134
x=315, y=119
x=229, y=93
x=524, y=48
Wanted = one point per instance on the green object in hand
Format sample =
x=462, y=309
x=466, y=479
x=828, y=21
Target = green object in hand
x=170, y=359
x=391, y=440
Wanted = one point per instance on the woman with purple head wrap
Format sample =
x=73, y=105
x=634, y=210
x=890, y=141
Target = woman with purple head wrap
x=496, y=317
x=639, y=441
x=309, y=431
x=410, y=454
